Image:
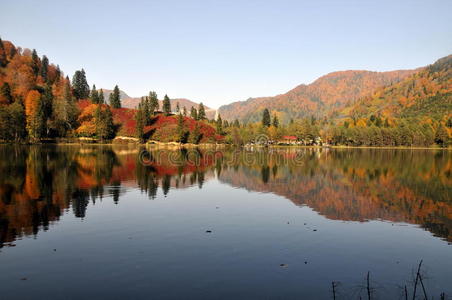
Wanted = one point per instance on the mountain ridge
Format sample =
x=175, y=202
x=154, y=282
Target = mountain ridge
x=328, y=92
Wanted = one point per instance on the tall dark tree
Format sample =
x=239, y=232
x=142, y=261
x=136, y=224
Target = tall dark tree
x=275, y=121
x=101, y=97
x=201, y=112
x=5, y=94
x=139, y=118
x=146, y=107
x=44, y=68
x=166, y=105
x=194, y=113
x=35, y=62
x=80, y=85
x=236, y=123
x=115, y=98
x=266, y=120
x=57, y=74
x=47, y=107
x=36, y=122
x=3, y=59
x=177, y=107
x=182, y=133
x=219, y=125
x=65, y=110
x=104, y=122
x=153, y=102
x=184, y=111
x=94, y=96
x=17, y=120
x=12, y=122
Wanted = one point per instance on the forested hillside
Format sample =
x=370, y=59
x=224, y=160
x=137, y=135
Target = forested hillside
x=426, y=93
x=328, y=93
x=38, y=102
x=356, y=108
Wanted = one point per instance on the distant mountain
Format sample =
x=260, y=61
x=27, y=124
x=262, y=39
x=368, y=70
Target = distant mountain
x=330, y=92
x=123, y=95
x=132, y=102
x=210, y=112
x=427, y=93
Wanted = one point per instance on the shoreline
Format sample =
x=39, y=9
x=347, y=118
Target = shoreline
x=175, y=145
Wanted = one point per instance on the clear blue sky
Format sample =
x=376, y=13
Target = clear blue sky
x=223, y=51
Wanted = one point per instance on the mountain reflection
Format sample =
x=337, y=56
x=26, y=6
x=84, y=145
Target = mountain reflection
x=40, y=183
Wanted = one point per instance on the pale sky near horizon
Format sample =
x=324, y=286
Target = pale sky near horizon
x=218, y=52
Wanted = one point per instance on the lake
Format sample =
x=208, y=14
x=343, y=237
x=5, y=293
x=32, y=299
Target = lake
x=122, y=222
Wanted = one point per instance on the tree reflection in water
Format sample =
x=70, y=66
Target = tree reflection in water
x=40, y=183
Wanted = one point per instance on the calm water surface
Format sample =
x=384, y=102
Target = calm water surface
x=116, y=222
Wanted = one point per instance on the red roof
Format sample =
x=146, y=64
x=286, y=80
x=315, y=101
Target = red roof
x=289, y=137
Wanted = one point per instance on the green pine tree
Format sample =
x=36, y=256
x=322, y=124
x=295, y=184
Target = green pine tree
x=153, y=102
x=219, y=125
x=94, y=95
x=266, y=121
x=201, y=112
x=35, y=62
x=194, y=113
x=80, y=85
x=17, y=121
x=101, y=97
x=104, y=122
x=181, y=131
x=3, y=59
x=36, y=126
x=115, y=98
x=166, y=106
x=57, y=74
x=146, y=110
x=44, y=68
x=275, y=121
x=5, y=94
x=139, y=118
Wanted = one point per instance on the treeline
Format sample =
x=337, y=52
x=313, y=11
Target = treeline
x=37, y=101
x=188, y=128
x=374, y=131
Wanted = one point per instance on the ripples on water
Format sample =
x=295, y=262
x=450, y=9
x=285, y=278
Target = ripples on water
x=116, y=222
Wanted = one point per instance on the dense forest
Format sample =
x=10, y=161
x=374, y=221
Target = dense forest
x=38, y=103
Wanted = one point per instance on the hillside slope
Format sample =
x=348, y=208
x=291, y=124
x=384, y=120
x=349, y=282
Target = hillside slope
x=327, y=93
x=427, y=93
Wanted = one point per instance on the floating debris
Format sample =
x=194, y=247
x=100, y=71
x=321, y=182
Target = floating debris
x=208, y=231
x=283, y=265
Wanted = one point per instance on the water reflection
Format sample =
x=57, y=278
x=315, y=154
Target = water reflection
x=40, y=183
